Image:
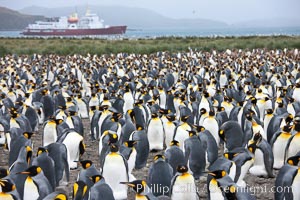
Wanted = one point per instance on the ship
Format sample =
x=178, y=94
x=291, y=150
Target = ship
x=88, y=25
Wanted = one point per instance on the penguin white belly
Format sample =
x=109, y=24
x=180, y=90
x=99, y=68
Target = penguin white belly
x=244, y=170
x=61, y=115
x=163, y=100
x=290, y=109
x=279, y=151
x=30, y=190
x=70, y=122
x=184, y=188
x=14, y=123
x=8, y=140
x=169, y=131
x=204, y=104
x=131, y=161
x=258, y=168
x=72, y=141
x=296, y=186
x=49, y=134
x=82, y=109
x=296, y=94
x=129, y=101
x=181, y=135
x=232, y=170
x=115, y=172
x=100, y=122
x=213, y=127
x=261, y=108
x=156, y=134
x=294, y=147
x=267, y=120
x=214, y=191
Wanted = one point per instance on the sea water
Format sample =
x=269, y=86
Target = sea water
x=182, y=32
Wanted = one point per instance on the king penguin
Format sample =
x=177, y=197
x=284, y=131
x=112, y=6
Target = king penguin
x=115, y=170
x=212, y=125
x=7, y=188
x=88, y=170
x=56, y=196
x=50, y=131
x=142, y=146
x=181, y=180
x=47, y=164
x=182, y=131
x=143, y=192
x=79, y=190
x=288, y=179
x=59, y=153
x=36, y=185
x=155, y=133
x=293, y=145
x=194, y=154
x=174, y=155
x=100, y=190
x=159, y=175
x=279, y=142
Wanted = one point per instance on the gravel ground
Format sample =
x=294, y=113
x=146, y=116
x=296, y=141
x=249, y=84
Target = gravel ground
x=260, y=186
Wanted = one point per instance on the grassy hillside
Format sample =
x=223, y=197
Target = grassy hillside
x=13, y=20
x=147, y=46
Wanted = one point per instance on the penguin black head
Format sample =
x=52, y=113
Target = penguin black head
x=221, y=109
x=114, y=148
x=211, y=113
x=41, y=150
x=174, y=143
x=184, y=118
x=138, y=186
x=6, y=185
x=27, y=135
x=252, y=147
x=86, y=164
x=154, y=115
x=218, y=174
x=249, y=116
x=96, y=178
x=199, y=128
x=192, y=133
x=182, y=169
x=253, y=100
x=230, y=192
x=289, y=118
x=79, y=189
x=257, y=138
x=3, y=173
x=171, y=117
x=222, y=134
x=159, y=156
x=116, y=117
x=269, y=111
x=130, y=143
x=230, y=155
x=294, y=160
x=287, y=128
x=32, y=171
x=139, y=127
x=202, y=111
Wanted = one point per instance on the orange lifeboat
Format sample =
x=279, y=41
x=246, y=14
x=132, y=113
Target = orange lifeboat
x=73, y=18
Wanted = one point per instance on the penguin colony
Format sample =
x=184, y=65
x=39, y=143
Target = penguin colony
x=216, y=116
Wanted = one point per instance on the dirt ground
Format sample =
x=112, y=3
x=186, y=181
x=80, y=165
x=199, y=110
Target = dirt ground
x=261, y=187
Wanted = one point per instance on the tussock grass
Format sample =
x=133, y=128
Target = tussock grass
x=83, y=46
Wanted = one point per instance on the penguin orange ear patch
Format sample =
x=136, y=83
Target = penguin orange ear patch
x=290, y=162
x=232, y=189
x=223, y=173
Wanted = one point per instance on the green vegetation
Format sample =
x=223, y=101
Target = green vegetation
x=143, y=46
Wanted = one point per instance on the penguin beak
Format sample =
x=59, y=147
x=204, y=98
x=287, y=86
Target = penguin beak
x=210, y=173
x=128, y=183
x=23, y=172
